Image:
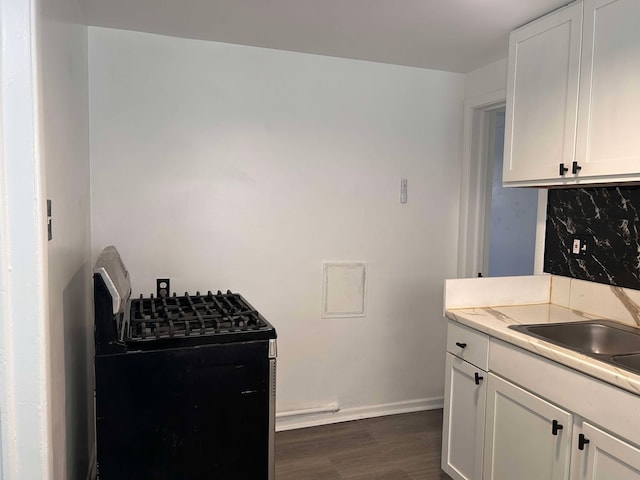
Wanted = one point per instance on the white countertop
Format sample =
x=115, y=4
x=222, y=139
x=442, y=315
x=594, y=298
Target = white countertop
x=495, y=320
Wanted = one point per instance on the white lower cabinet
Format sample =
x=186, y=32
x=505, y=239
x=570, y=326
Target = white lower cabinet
x=604, y=457
x=527, y=438
x=524, y=417
x=464, y=415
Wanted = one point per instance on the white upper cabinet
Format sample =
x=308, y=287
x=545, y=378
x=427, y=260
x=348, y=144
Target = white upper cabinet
x=573, y=97
x=609, y=112
x=542, y=96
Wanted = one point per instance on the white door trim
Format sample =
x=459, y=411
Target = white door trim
x=6, y=400
x=541, y=229
x=25, y=417
x=473, y=182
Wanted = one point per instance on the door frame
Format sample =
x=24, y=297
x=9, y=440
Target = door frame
x=473, y=222
x=25, y=411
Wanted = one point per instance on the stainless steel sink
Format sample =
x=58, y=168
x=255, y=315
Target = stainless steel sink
x=604, y=340
x=630, y=362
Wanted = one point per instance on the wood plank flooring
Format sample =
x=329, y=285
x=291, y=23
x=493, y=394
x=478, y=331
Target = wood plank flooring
x=397, y=447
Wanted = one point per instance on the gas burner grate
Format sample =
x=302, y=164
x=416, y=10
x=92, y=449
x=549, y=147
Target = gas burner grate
x=191, y=315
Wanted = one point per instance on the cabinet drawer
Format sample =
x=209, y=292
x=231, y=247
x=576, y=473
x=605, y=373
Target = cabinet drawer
x=468, y=344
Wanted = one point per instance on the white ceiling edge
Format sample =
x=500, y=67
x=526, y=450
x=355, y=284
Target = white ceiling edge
x=453, y=35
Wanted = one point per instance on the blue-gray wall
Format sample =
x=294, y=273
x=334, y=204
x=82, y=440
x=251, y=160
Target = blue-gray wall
x=512, y=233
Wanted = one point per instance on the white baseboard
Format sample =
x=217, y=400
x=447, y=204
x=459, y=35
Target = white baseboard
x=293, y=421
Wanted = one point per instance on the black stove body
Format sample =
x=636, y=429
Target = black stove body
x=185, y=385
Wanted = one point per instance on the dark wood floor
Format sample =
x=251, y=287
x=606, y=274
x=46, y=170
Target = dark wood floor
x=397, y=447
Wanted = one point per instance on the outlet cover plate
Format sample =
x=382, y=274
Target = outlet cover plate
x=163, y=287
x=580, y=246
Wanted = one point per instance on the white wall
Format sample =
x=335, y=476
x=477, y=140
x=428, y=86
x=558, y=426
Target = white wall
x=24, y=379
x=485, y=80
x=233, y=167
x=65, y=152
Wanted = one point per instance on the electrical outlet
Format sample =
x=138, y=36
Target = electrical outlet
x=580, y=246
x=163, y=287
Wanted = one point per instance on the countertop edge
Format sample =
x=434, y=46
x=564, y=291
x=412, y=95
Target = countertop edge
x=495, y=322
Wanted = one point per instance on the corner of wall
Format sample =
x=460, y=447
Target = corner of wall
x=486, y=79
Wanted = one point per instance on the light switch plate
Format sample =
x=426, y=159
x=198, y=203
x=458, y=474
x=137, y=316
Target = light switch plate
x=49, y=221
x=403, y=190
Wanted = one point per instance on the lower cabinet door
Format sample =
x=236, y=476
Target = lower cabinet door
x=605, y=457
x=527, y=438
x=464, y=409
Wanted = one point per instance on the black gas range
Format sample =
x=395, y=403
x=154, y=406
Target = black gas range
x=185, y=385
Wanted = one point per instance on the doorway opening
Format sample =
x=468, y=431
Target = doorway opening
x=511, y=213
x=501, y=229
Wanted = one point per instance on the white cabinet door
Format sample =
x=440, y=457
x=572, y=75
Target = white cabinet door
x=608, y=117
x=520, y=440
x=542, y=97
x=605, y=457
x=464, y=409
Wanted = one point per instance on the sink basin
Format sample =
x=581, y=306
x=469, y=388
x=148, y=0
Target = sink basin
x=630, y=362
x=604, y=340
x=601, y=337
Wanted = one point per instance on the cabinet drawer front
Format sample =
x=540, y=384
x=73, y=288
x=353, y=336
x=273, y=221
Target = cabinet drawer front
x=468, y=344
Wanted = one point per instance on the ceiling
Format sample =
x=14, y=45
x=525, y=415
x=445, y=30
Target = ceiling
x=451, y=35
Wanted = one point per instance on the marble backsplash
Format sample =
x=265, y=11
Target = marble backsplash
x=608, y=217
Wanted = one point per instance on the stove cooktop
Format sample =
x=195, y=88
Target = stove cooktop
x=124, y=324
x=153, y=319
